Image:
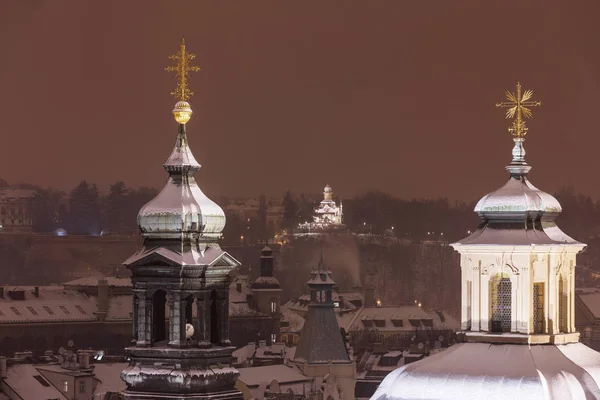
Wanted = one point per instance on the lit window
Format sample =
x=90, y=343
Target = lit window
x=273, y=306
x=81, y=386
x=64, y=309
x=336, y=304
x=65, y=386
x=273, y=337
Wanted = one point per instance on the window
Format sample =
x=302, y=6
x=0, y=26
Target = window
x=32, y=310
x=65, y=386
x=273, y=338
x=14, y=309
x=41, y=380
x=81, y=386
x=80, y=309
x=500, y=293
x=273, y=307
x=336, y=304
x=64, y=309
x=48, y=310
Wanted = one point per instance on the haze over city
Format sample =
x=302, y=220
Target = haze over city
x=360, y=95
x=277, y=200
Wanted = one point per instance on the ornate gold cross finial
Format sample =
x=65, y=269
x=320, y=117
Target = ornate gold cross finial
x=182, y=70
x=517, y=107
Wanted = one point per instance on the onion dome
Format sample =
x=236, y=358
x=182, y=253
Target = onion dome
x=518, y=198
x=518, y=213
x=181, y=209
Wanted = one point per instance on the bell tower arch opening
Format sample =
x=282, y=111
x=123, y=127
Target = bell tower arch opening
x=159, y=316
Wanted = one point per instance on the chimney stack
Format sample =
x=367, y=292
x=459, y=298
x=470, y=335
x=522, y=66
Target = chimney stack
x=36, y=291
x=1, y=292
x=102, y=299
x=2, y=367
x=369, y=295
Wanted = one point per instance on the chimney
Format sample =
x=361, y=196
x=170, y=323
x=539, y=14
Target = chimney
x=369, y=295
x=36, y=291
x=102, y=299
x=84, y=360
x=1, y=292
x=2, y=367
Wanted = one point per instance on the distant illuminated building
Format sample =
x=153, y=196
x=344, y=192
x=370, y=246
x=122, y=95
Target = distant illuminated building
x=327, y=214
x=15, y=209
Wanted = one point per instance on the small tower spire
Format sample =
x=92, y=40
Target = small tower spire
x=517, y=109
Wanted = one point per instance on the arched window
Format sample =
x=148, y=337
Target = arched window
x=191, y=315
x=563, y=301
x=214, y=318
x=500, y=300
x=159, y=317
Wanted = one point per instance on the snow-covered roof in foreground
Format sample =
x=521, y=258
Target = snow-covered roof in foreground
x=493, y=372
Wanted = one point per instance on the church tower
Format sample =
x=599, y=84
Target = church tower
x=267, y=292
x=322, y=349
x=518, y=267
x=518, y=338
x=181, y=348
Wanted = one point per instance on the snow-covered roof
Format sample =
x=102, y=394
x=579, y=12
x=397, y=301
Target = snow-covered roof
x=498, y=371
x=254, y=376
x=591, y=300
x=93, y=282
x=21, y=378
x=109, y=377
x=53, y=304
x=399, y=318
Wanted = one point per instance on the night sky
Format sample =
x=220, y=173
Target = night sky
x=389, y=95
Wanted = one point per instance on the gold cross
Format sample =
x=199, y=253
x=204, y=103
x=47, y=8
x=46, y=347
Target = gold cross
x=182, y=70
x=517, y=106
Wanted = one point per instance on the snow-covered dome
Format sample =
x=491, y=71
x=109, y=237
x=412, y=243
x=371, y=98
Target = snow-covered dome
x=181, y=208
x=517, y=197
x=481, y=371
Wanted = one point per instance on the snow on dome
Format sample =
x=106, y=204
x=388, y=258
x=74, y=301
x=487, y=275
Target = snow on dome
x=493, y=372
x=181, y=207
x=518, y=195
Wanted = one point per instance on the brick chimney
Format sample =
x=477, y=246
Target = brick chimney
x=369, y=295
x=102, y=299
x=2, y=367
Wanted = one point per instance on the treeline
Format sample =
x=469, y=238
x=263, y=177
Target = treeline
x=87, y=212
x=379, y=213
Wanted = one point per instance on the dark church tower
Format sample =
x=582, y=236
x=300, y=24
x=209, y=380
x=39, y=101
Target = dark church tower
x=181, y=348
x=267, y=292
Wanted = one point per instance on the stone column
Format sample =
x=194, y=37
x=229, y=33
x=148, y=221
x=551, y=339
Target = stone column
x=174, y=319
x=203, y=316
x=148, y=316
x=135, y=317
x=142, y=333
x=224, y=317
x=571, y=298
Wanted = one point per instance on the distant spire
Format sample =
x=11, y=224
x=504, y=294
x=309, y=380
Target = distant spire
x=517, y=109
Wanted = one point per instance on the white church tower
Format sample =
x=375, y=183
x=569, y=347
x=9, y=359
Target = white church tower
x=518, y=338
x=518, y=267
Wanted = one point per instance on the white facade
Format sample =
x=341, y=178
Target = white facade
x=541, y=282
